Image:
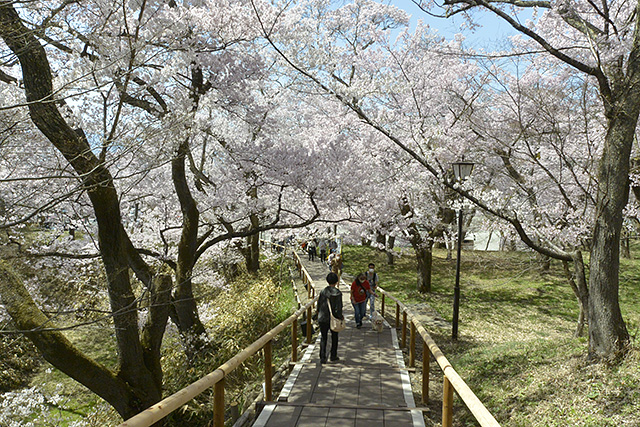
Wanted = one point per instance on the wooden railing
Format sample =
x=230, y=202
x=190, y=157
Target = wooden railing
x=216, y=378
x=452, y=381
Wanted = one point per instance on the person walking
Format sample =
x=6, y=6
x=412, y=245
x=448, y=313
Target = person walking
x=360, y=291
x=322, y=246
x=372, y=278
x=329, y=295
x=333, y=245
x=335, y=263
x=311, y=250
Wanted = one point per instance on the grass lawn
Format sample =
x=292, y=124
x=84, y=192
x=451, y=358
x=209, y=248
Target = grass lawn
x=516, y=346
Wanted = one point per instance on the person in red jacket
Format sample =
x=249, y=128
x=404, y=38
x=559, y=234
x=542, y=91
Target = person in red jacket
x=360, y=291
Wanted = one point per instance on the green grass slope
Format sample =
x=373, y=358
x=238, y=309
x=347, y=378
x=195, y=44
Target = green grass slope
x=516, y=347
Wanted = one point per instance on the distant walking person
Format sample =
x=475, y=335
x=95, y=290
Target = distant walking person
x=333, y=245
x=335, y=263
x=372, y=278
x=322, y=246
x=311, y=250
x=329, y=295
x=360, y=291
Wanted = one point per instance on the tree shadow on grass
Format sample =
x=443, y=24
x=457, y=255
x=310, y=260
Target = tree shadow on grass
x=544, y=301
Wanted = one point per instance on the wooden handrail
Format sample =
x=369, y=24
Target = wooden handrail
x=216, y=378
x=452, y=378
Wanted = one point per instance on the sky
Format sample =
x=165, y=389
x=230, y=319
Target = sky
x=491, y=35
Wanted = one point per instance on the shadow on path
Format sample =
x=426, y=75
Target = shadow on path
x=369, y=386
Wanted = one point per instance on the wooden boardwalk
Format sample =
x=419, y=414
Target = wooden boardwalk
x=369, y=386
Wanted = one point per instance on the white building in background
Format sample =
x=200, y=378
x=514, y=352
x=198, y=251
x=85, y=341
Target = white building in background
x=485, y=235
x=481, y=235
x=483, y=241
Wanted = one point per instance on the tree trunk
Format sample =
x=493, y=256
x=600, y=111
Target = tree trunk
x=625, y=244
x=153, y=330
x=389, y=250
x=578, y=284
x=422, y=248
x=424, y=258
x=381, y=241
x=141, y=390
x=608, y=335
x=252, y=253
x=185, y=305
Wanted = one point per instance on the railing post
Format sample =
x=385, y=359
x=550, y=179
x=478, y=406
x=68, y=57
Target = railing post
x=309, y=325
x=447, y=403
x=294, y=340
x=382, y=306
x=412, y=346
x=309, y=290
x=268, y=372
x=404, y=329
x=426, y=358
x=218, y=404
x=397, y=315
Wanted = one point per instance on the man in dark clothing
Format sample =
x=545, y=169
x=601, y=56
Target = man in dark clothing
x=329, y=295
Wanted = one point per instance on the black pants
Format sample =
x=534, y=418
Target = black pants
x=324, y=332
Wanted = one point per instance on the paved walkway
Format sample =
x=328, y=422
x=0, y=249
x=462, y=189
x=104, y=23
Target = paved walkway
x=369, y=386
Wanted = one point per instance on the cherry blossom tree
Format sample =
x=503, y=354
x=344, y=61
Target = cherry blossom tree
x=425, y=112
x=542, y=132
x=601, y=41
x=165, y=137
x=342, y=54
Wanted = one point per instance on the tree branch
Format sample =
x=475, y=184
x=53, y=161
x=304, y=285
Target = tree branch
x=489, y=4
x=55, y=347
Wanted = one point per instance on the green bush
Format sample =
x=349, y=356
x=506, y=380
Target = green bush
x=18, y=363
x=249, y=307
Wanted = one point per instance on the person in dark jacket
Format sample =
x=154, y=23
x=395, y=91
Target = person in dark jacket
x=329, y=295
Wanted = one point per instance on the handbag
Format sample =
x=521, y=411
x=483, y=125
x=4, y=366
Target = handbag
x=366, y=292
x=335, y=324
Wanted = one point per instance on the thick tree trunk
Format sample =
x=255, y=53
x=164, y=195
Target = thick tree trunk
x=608, y=335
x=122, y=298
x=141, y=387
x=153, y=330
